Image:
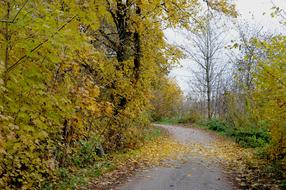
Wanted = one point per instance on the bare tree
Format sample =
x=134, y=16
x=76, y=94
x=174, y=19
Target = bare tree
x=204, y=48
x=244, y=53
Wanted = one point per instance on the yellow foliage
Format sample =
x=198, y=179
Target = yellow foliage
x=74, y=71
x=270, y=93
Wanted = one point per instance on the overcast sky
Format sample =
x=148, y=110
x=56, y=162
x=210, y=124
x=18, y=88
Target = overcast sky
x=252, y=11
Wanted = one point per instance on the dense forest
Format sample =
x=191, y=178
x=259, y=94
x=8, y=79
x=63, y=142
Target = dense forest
x=84, y=79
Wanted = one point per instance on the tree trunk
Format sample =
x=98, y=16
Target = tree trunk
x=208, y=95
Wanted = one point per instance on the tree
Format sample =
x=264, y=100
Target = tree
x=206, y=46
x=237, y=99
x=244, y=60
x=45, y=98
x=270, y=93
x=168, y=100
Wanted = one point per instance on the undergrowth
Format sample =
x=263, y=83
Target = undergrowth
x=168, y=121
x=87, y=166
x=185, y=119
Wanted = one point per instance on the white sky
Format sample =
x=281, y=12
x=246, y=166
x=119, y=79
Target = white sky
x=252, y=11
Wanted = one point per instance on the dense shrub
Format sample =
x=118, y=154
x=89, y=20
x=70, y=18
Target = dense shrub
x=251, y=137
x=216, y=125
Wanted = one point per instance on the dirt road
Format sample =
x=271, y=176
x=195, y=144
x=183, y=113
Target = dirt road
x=196, y=172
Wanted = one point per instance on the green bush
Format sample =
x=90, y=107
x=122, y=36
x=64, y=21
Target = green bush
x=249, y=136
x=86, y=153
x=215, y=125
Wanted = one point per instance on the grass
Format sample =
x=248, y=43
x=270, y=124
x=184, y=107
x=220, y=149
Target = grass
x=153, y=133
x=169, y=121
x=189, y=118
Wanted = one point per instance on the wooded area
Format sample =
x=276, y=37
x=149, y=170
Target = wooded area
x=81, y=79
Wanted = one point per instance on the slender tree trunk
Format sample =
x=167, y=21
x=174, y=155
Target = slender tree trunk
x=208, y=69
x=7, y=40
x=208, y=94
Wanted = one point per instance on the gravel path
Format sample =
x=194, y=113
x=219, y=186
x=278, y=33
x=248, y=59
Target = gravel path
x=195, y=173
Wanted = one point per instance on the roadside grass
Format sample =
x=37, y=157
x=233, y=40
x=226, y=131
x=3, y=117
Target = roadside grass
x=168, y=121
x=184, y=119
x=176, y=121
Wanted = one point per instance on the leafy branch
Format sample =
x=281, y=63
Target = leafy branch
x=15, y=17
x=19, y=61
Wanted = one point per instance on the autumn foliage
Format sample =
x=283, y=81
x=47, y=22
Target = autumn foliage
x=168, y=100
x=270, y=94
x=78, y=76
